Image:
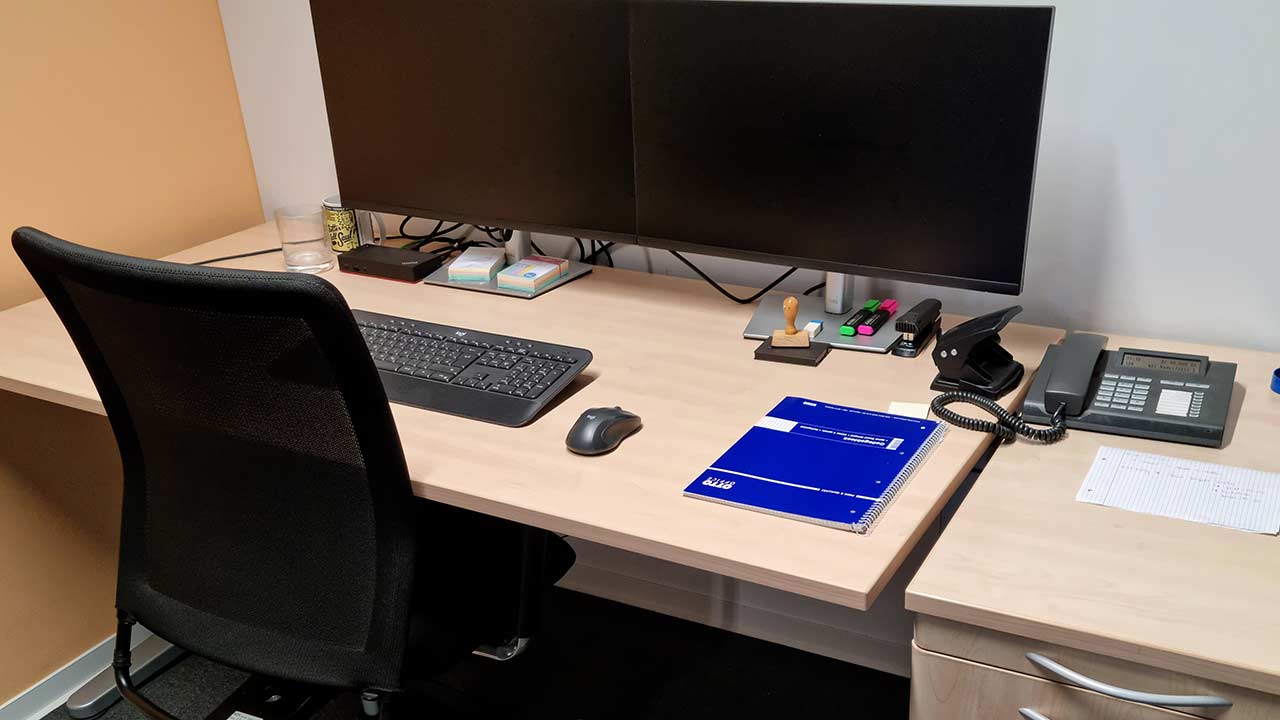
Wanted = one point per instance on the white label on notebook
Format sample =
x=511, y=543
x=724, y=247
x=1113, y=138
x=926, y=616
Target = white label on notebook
x=894, y=444
x=1201, y=492
x=773, y=423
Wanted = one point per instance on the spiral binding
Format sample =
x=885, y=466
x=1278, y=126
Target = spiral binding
x=922, y=454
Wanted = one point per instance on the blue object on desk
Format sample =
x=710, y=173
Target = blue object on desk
x=1275, y=381
x=827, y=464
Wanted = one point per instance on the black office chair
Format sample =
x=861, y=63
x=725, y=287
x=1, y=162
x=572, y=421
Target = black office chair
x=268, y=521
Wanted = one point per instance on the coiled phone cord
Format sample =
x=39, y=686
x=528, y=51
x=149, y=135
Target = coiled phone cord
x=1008, y=424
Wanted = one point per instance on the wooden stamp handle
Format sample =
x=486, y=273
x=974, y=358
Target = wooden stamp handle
x=791, y=308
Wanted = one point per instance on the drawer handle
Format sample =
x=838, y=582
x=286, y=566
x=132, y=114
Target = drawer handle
x=1089, y=683
x=1029, y=714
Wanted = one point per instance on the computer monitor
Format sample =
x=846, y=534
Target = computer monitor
x=511, y=113
x=889, y=140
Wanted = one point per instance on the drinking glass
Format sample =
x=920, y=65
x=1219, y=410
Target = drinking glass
x=303, y=239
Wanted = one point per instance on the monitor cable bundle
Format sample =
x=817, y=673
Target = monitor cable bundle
x=726, y=293
x=597, y=248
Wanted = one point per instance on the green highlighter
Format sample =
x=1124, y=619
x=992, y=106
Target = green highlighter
x=850, y=326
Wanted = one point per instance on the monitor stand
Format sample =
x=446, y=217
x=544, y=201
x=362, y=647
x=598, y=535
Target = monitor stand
x=520, y=246
x=832, y=309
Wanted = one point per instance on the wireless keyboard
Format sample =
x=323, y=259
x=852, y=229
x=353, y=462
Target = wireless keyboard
x=478, y=375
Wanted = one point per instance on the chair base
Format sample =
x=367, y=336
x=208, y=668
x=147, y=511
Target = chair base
x=502, y=653
x=270, y=699
x=96, y=696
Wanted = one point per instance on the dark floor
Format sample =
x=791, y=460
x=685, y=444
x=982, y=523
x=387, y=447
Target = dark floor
x=599, y=659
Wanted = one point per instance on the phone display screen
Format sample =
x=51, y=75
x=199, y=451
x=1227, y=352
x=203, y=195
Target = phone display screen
x=1181, y=366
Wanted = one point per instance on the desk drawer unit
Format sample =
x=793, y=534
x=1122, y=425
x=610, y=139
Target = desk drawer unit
x=947, y=688
x=1009, y=652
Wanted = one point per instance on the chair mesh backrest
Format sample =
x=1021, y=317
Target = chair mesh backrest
x=266, y=517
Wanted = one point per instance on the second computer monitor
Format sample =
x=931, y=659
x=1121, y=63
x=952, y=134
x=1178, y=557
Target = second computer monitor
x=513, y=113
x=896, y=141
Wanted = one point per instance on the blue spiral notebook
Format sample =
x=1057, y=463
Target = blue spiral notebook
x=827, y=464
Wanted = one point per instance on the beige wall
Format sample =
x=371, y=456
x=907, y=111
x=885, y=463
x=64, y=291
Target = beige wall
x=119, y=128
x=59, y=530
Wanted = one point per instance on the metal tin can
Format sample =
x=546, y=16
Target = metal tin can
x=342, y=225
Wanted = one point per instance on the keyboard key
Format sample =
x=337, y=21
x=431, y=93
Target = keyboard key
x=384, y=365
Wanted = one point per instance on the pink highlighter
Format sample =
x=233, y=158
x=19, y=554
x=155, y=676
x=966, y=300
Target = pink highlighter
x=878, y=318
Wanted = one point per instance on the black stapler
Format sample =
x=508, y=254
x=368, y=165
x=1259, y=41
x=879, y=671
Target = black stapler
x=969, y=357
x=918, y=326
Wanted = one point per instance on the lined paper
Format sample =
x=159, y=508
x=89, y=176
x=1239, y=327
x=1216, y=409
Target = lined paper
x=1201, y=492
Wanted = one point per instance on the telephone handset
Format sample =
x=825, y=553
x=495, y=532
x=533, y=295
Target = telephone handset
x=1068, y=379
x=1140, y=393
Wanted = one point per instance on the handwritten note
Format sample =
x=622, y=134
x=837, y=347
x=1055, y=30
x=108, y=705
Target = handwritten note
x=1185, y=489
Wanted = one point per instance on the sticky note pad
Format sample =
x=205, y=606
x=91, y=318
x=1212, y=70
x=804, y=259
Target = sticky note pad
x=906, y=409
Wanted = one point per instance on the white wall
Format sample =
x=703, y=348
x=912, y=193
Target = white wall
x=273, y=56
x=1155, y=196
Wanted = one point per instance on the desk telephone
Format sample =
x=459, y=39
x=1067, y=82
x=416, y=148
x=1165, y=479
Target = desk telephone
x=1140, y=393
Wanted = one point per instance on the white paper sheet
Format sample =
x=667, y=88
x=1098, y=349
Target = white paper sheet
x=906, y=409
x=1202, y=492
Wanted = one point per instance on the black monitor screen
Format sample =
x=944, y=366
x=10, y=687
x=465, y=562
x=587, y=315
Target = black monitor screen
x=513, y=113
x=897, y=141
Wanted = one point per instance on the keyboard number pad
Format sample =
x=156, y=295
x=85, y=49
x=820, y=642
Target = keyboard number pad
x=528, y=378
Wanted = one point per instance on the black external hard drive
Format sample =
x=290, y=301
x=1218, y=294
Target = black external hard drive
x=391, y=263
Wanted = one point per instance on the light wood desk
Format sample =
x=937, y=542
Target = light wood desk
x=1139, y=601
x=668, y=349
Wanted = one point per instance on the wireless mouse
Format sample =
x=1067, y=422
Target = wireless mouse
x=600, y=430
